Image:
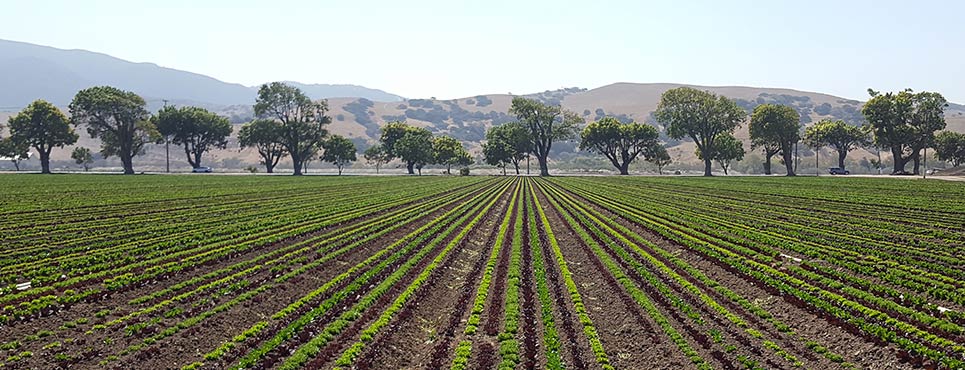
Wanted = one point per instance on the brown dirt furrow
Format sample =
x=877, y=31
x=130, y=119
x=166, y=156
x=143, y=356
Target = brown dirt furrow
x=421, y=334
x=628, y=334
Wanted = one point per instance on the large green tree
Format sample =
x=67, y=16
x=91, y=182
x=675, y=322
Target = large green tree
x=699, y=115
x=415, y=149
x=775, y=127
x=339, y=151
x=118, y=118
x=448, y=151
x=726, y=150
x=266, y=137
x=44, y=127
x=196, y=129
x=620, y=143
x=376, y=155
x=413, y=145
x=950, y=147
x=82, y=156
x=905, y=123
x=838, y=135
x=303, y=120
x=546, y=124
x=506, y=144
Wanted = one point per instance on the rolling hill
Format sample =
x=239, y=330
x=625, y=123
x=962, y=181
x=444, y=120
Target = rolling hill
x=31, y=72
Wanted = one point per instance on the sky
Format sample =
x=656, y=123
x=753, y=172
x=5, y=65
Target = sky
x=453, y=49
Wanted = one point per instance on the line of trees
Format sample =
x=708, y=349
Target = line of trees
x=904, y=122
x=417, y=148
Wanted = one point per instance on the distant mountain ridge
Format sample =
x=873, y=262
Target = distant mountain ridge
x=29, y=72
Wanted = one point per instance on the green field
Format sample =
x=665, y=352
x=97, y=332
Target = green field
x=433, y=272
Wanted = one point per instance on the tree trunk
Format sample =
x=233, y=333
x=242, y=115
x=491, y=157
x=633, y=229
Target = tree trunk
x=297, y=166
x=842, y=154
x=197, y=159
x=543, y=168
x=448, y=168
x=625, y=168
x=788, y=161
x=420, y=171
x=899, y=163
x=410, y=166
x=917, y=162
x=767, y=165
x=504, y=170
x=340, y=170
x=708, y=167
x=517, y=168
x=44, y=161
x=16, y=164
x=127, y=161
x=269, y=168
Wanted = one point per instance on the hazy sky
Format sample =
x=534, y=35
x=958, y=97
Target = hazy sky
x=450, y=49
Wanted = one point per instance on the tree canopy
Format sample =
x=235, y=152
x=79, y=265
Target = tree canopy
x=194, y=128
x=659, y=156
x=448, y=151
x=699, y=115
x=118, y=118
x=44, y=127
x=83, y=157
x=413, y=145
x=506, y=144
x=950, y=147
x=546, y=124
x=620, y=143
x=726, y=150
x=339, y=151
x=302, y=120
x=376, y=155
x=266, y=137
x=838, y=135
x=905, y=122
x=775, y=127
x=15, y=151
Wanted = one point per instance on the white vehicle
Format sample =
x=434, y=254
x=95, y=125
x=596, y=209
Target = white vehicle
x=201, y=169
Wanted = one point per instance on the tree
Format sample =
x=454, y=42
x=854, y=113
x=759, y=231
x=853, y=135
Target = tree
x=546, y=124
x=83, y=157
x=700, y=115
x=44, y=127
x=339, y=151
x=775, y=127
x=659, y=156
x=837, y=134
x=266, y=137
x=726, y=149
x=448, y=151
x=950, y=147
x=415, y=148
x=506, y=144
x=302, y=120
x=413, y=145
x=194, y=128
x=376, y=155
x=15, y=151
x=905, y=123
x=118, y=118
x=618, y=142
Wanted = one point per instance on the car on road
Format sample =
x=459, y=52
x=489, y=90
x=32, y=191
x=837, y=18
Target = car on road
x=201, y=169
x=838, y=171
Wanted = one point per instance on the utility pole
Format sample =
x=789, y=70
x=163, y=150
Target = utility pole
x=817, y=169
x=167, y=147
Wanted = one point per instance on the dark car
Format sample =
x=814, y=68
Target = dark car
x=838, y=171
x=201, y=169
